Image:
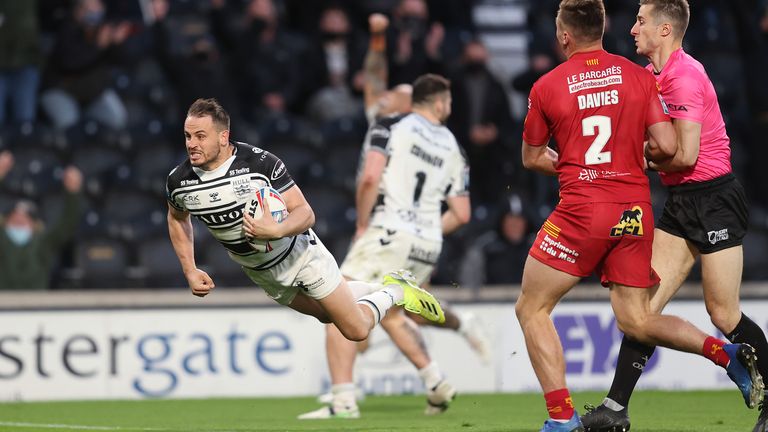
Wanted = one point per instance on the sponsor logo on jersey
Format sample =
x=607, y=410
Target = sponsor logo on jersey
x=223, y=217
x=192, y=200
x=239, y=171
x=214, y=196
x=241, y=187
x=630, y=223
x=673, y=107
x=189, y=182
x=594, y=79
x=256, y=150
x=716, y=236
x=278, y=171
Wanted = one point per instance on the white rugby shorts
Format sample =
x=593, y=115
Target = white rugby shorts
x=379, y=251
x=310, y=268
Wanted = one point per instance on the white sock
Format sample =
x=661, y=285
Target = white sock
x=343, y=396
x=380, y=301
x=431, y=375
x=612, y=404
x=360, y=289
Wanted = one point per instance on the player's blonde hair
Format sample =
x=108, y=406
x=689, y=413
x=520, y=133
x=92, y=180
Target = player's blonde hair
x=677, y=11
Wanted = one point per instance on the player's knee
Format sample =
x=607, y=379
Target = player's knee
x=632, y=326
x=522, y=309
x=354, y=332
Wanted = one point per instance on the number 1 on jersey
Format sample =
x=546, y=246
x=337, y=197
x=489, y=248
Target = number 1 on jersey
x=595, y=154
x=421, y=177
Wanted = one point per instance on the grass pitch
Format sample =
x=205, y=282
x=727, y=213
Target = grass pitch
x=651, y=411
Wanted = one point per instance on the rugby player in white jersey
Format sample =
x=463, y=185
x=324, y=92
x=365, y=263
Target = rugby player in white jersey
x=215, y=183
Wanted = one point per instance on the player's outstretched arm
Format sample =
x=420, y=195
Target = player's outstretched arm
x=182, y=239
x=375, y=72
x=540, y=159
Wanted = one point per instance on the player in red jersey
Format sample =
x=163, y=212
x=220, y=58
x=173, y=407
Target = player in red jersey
x=599, y=107
x=705, y=213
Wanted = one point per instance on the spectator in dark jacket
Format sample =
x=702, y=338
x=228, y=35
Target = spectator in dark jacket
x=482, y=123
x=79, y=73
x=19, y=62
x=27, y=248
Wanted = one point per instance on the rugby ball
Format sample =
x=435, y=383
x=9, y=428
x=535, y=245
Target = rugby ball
x=254, y=207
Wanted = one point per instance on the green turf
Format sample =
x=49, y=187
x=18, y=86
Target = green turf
x=651, y=411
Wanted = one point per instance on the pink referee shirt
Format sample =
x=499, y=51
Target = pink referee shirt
x=690, y=95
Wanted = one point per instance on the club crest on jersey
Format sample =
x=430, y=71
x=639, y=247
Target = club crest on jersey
x=631, y=223
x=214, y=196
x=241, y=187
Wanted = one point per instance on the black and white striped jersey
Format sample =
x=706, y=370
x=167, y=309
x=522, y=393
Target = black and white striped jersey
x=425, y=166
x=218, y=198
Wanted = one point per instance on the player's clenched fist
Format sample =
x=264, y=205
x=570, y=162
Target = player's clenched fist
x=377, y=23
x=199, y=282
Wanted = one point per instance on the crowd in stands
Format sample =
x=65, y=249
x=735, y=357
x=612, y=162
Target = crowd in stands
x=102, y=85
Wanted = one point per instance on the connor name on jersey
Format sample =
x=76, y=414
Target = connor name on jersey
x=217, y=198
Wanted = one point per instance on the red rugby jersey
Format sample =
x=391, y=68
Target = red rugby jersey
x=597, y=106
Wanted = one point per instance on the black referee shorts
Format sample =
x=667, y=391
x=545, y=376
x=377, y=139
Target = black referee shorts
x=712, y=214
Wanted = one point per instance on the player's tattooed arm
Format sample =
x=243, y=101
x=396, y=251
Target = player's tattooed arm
x=375, y=68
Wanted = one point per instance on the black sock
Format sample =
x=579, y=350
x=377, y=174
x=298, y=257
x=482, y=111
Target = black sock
x=747, y=331
x=632, y=359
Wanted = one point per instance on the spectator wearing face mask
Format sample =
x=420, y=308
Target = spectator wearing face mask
x=483, y=124
x=27, y=247
x=334, y=67
x=417, y=44
x=78, y=78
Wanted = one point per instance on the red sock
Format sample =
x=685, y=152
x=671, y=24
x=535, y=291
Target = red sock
x=713, y=350
x=559, y=404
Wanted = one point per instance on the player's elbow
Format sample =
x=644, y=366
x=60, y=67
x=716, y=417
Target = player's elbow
x=463, y=216
x=528, y=163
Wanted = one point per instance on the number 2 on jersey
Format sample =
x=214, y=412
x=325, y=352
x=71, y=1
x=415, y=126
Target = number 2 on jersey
x=595, y=154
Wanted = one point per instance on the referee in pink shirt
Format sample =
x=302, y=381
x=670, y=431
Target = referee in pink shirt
x=705, y=214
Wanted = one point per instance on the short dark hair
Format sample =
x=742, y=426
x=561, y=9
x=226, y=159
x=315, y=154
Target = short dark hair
x=426, y=87
x=677, y=11
x=585, y=18
x=210, y=107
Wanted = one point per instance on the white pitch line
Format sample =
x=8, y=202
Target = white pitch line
x=77, y=427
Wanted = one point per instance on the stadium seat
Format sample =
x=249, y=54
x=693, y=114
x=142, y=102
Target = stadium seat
x=343, y=131
x=158, y=265
x=297, y=158
x=334, y=210
x=151, y=167
x=36, y=171
x=341, y=164
x=101, y=263
x=133, y=215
